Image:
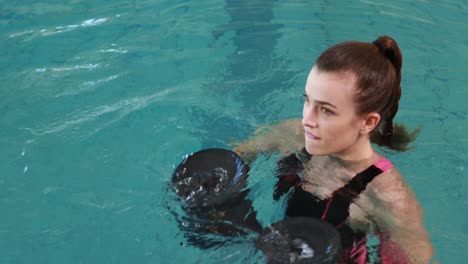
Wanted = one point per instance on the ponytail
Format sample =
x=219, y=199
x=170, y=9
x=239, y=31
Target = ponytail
x=398, y=140
x=395, y=137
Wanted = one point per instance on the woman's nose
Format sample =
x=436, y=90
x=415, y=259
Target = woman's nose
x=309, y=118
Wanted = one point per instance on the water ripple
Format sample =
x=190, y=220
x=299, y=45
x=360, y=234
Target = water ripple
x=88, y=66
x=59, y=29
x=409, y=17
x=122, y=108
x=90, y=85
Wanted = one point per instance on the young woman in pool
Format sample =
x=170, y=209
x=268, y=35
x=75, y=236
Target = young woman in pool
x=351, y=98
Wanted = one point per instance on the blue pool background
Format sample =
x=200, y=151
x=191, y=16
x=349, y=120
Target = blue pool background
x=99, y=101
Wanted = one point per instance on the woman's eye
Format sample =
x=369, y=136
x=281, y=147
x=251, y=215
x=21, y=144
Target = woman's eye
x=305, y=97
x=326, y=111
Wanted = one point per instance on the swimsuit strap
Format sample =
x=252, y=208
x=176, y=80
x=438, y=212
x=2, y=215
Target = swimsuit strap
x=383, y=164
x=337, y=209
x=359, y=182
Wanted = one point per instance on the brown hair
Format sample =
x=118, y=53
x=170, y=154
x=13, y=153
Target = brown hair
x=377, y=67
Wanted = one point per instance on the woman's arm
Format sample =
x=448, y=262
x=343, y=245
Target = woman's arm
x=286, y=137
x=399, y=220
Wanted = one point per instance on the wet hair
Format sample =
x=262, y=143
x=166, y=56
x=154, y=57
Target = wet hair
x=377, y=68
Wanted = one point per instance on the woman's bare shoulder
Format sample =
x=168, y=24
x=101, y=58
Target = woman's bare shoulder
x=388, y=183
x=391, y=195
x=390, y=186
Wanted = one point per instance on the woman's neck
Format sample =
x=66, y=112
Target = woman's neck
x=357, y=157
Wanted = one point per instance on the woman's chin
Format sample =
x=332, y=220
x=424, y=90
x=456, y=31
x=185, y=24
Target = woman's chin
x=312, y=150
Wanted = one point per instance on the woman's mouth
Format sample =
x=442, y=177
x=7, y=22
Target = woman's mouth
x=311, y=136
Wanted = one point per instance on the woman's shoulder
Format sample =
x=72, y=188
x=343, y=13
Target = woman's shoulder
x=387, y=183
x=389, y=188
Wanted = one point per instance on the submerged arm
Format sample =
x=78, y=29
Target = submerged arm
x=285, y=137
x=399, y=220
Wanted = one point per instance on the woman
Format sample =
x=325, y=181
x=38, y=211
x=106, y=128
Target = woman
x=351, y=98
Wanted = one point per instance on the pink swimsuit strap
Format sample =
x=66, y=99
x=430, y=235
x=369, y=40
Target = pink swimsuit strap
x=383, y=164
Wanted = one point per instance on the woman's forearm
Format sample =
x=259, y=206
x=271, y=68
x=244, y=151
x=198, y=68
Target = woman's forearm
x=284, y=137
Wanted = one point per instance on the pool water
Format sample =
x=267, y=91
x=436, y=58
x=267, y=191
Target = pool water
x=99, y=101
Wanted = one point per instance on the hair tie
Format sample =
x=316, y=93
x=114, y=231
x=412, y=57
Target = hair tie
x=379, y=45
x=387, y=52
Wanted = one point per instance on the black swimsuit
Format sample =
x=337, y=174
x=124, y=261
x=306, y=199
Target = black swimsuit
x=334, y=209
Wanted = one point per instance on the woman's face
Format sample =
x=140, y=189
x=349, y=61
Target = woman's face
x=329, y=116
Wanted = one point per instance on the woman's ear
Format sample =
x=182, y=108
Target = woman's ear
x=371, y=121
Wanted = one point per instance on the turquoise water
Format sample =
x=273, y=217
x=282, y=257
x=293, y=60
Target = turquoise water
x=100, y=101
